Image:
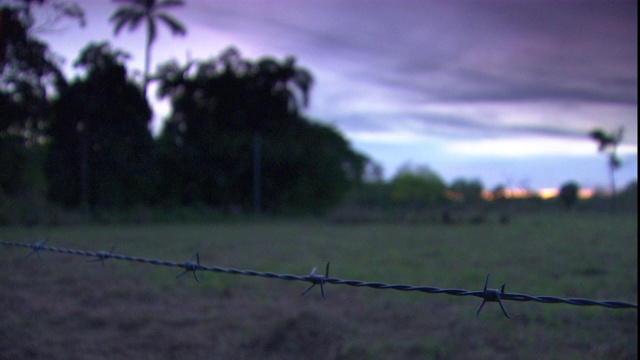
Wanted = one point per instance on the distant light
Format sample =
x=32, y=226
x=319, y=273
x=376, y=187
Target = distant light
x=586, y=193
x=515, y=193
x=548, y=193
x=545, y=194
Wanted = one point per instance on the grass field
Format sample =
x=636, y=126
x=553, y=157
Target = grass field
x=64, y=307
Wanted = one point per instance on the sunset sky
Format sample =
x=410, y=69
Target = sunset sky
x=501, y=91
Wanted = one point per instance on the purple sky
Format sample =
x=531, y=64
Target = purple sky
x=502, y=91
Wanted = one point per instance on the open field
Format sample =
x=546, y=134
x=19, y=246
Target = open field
x=63, y=307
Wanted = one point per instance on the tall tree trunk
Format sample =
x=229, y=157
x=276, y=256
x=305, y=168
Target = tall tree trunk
x=147, y=62
x=84, y=165
x=257, y=186
x=612, y=180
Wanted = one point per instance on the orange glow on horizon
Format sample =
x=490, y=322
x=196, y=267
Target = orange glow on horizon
x=586, y=193
x=545, y=193
x=548, y=193
x=515, y=193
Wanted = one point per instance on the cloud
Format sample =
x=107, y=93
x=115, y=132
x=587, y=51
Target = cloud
x=560, y=119
x=521, y=147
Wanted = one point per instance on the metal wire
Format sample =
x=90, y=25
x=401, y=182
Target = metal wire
x=487, y=295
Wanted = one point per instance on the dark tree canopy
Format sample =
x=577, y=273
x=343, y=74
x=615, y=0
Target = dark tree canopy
x=229, y=113
x=569, y=194
x=101, y=148
x=29, y=73
x=471, y=190
x=235, y=139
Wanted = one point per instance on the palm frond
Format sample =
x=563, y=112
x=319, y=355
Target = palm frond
x=169, y=3
x=121, y=13
x=133, y=3
x=134, y=21
x=175, y=26
x=122, y=18
x=151, y=31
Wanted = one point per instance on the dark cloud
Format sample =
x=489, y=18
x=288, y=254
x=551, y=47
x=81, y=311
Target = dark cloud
x=522, y=50
x=476, y=85
x=572, y=49
x=461, y=127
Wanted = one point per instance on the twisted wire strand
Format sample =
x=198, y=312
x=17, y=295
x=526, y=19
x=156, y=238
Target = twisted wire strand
x=488, y=295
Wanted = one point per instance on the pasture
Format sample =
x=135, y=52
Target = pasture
x=65, y=307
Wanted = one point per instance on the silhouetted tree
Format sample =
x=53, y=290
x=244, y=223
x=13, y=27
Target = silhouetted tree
x=309, y=166
x=628, y=197
x=569, y=194
x=608, y=143
x=150, y=12
x=101, y=148
x=209, y=148
x=471, y=190
x=29, y=73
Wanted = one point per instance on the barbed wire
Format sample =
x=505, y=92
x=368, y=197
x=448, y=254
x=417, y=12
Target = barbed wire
x=487, y=294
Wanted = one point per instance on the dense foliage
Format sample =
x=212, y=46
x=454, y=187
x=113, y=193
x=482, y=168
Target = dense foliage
x=100, y=152
x=28, y=74
x=236, y=138
x=417, y=186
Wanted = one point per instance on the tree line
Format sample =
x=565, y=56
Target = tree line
x=236, y=138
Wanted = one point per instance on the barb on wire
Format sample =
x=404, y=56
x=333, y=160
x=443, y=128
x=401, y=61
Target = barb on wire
x=189, y=265
x=492, y=295
x=487, y=295
x=101, y=256
x=36, y=246
x=317, y=279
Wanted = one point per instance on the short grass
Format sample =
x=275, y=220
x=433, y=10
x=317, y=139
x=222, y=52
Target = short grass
x=64, y=307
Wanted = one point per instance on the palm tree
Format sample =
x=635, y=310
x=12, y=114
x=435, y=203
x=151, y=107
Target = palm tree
x=609, y=143
x=148, y=11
